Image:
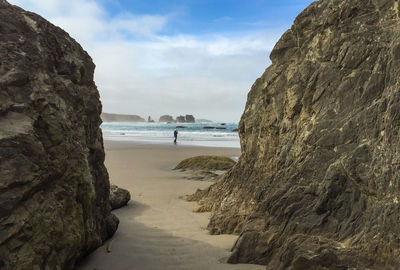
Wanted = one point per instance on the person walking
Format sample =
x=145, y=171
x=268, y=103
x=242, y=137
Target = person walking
x=175, y=135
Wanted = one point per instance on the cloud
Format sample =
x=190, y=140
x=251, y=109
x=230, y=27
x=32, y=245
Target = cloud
x=142, y=71
x=145, y=25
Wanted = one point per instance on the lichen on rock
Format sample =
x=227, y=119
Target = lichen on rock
x=206, y=163
x=54, y=202
x=205, y=168
x=317, y=185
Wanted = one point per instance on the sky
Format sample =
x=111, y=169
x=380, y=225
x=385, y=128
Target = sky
x=174, y=57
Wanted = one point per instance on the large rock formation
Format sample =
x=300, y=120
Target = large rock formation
x=181, y=119
x=113, y=117
x=166, y=118
x=54, y=189
x=189, y=118
x=318, y=182
x=185, y=119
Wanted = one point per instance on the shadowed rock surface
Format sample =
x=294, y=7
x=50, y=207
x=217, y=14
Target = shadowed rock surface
x=119, y=197
x=54, y=188
x=318, y=182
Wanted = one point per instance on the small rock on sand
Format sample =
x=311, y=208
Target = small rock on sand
x=119, y=197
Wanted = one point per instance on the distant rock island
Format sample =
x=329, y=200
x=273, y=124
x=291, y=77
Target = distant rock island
x=188, y=118
x=317, y=185
x=180, y=119
x=185, y=119
x=54, y=202
x=113, y=117
x=167, y=119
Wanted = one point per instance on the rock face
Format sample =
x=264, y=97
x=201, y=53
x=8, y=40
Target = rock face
x=54, y=202
x=112, y=117
x=119, y=197
x=318, y=182
x=204, y=168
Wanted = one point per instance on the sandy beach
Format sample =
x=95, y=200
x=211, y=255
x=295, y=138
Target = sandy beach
x=159, y=230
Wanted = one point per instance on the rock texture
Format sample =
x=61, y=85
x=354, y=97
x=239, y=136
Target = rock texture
x=54, y=189
x=112, y=117
x=318, y=182
x=204, y=168
x=119, y=197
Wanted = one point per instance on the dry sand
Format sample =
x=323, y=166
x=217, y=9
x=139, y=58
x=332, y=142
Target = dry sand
x=158, y=230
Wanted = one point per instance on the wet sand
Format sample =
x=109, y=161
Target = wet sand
x=158, y=230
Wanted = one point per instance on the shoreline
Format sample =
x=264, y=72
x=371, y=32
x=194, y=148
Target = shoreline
x=199, y=134
x=181, y=142
x=111, y=143
x=158, y=229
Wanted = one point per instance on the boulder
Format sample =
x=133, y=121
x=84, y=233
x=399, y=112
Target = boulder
x=119, y=197
x=54, y=203
x=317, y=185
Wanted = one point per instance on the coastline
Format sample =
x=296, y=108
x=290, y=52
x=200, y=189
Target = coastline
x=191, y=134
x=113, y=142
x=159, y=230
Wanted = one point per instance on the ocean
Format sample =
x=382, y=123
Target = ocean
x=194, y=134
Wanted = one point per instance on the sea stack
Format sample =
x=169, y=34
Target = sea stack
x=54, y=202
x=166, y=119
x=318, y=182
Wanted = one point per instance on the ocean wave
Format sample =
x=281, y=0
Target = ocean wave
x=193, y=134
